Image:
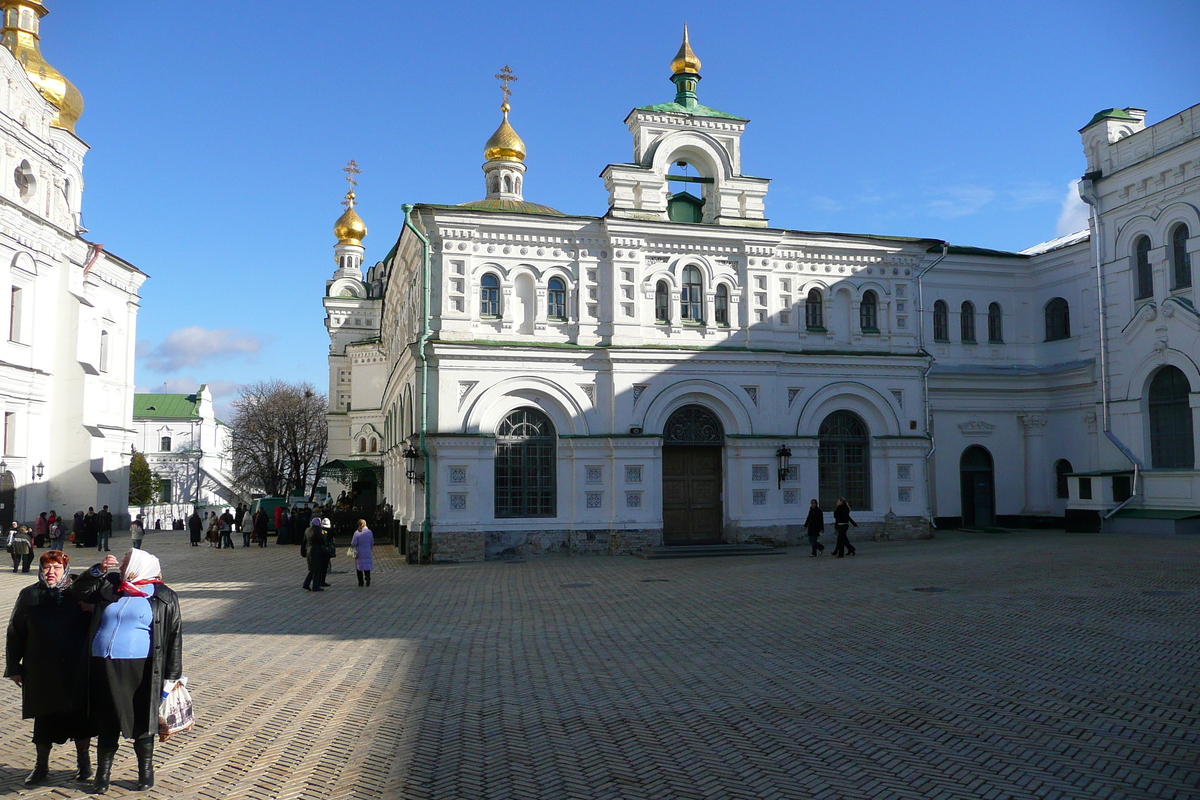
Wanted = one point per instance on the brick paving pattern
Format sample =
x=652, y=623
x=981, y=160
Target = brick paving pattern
x=1053, y=666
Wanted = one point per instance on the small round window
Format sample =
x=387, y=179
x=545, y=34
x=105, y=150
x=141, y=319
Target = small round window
x=26, y=183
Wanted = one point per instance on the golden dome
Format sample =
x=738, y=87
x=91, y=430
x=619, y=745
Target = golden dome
x=685, y=59
x=349, y=228
x=504, y=145
x=21, y=21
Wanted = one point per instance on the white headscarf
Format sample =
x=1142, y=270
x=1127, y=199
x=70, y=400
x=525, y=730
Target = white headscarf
x=142, y=566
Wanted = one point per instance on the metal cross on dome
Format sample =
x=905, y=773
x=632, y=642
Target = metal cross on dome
x=506, y=76
x=351, y=169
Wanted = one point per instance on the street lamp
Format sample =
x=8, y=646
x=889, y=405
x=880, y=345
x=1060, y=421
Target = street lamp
x=411, y=456
x=41, y=469
x=785, y=459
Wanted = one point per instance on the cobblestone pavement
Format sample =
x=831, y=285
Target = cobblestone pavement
x=1052, y=666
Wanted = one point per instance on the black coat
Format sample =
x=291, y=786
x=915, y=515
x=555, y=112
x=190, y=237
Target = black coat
x=841, y=515
x=815, y=523
x=47, y=647
x=195, y=527
x=313, y=548
x=166, y=631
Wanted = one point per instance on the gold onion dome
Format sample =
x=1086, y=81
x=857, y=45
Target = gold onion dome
x=504, y=145
x=685, y=59
x=21, y=20
x=349, y=228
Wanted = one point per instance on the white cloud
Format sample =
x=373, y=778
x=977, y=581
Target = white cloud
x=195, y=345
x=826, y=204
x=1074, y=214
x=960, y=201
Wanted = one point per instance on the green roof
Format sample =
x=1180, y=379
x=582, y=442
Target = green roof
x=1109, y=113
x=694, y=111
x=510, y=206
x=165, y=406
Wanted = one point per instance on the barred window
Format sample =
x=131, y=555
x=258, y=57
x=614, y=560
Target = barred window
x=967, y=322
x=941, y=321
x=1058, y=320
x=1181, y=259
x=489, y=296
x=556, y=299
x=1172, y=443
x=995, y=324
x=814, y=312
x=662, y=307
x=1141, y=258
x=691, y=299
x=721, y=305
x=525, y=465
x=843, y=461
x=868, y=313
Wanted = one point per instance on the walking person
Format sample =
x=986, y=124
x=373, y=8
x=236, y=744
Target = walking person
x=214, y=534
x=137, y=530
x=363, y=542
x=246, y=526
x=20, y=545
x=104, y=523
x=815, y=524
x=260, y=528
x=312, y=550
x=195, y=527
x=136, y=643
x=226, y=527
x=46, y=656
x=841, y=524
x=58, y=534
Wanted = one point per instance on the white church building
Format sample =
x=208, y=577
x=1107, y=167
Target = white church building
x=67, y=359
x=514, y=379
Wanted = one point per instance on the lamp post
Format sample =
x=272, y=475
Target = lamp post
x=785, y=462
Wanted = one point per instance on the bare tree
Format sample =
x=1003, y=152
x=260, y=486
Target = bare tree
x=279, y=437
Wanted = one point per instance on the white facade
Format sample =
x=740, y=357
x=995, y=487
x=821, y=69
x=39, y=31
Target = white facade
x=188, y=449
x=69, y=316
x=962, y=423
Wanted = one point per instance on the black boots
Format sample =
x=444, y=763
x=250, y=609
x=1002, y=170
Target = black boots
x=144, y=748
x=104, y=761
x=41, y=767
x=83, y=759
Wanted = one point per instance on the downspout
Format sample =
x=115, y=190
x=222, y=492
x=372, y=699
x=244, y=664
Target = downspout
x=929, y=486
x=426, y=552
x=1087, y=193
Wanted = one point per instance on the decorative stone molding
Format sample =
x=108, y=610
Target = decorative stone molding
x=976, y=428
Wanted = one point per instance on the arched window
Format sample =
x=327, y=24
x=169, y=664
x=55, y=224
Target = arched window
x=374, y=445
x=1062, y=468
x=1058, y=320
x=164, y=444
x=814, y=312
x=967, y=322
x=1181, y=259
x=995, y=324
x=691, y=299
x=1141, y=266
x=843, y=462
x=662, y=306
x=868, y=312
x=941, y=321
x=508, y=183
x=489, y=296
x=556, y=299
x=1172, y=444
x=525, y=465
x=104, y=351
x=362, y=445
x=721, y=305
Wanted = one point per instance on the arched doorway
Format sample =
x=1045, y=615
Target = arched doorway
x=8, y=500
x=1172, y=442
x=978, y=487
x=691, y=505
x=843, y=461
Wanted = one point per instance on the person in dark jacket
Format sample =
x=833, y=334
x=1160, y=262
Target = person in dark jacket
x=46, y=656
x=136, y=644
x=815, y=524
x=90, y=522
x=260, y=528
x=104, y=528
x=841, y=524
x=195, y=528
x=312, y=549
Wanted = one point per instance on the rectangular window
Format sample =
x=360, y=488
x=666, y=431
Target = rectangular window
x=10, y=433
x=1122, y=488
x=1085, y=488
x=14, y=315
x=164, y=491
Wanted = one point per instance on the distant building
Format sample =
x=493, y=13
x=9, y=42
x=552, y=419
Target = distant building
x=70, y=310
x=679, y=372
x=188, y=448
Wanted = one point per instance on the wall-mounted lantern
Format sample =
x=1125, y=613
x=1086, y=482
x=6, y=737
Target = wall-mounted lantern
x=411, y=456
x=785, y=462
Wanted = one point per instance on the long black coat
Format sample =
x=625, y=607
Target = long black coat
x=313, y=548
x=815, y=523
x=166, y=631
x=47, y=646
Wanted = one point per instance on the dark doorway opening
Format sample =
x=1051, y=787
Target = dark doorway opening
x=978, y=487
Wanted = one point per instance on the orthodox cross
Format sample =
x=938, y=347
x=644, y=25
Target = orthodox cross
x=351, y=170
x=506, y=76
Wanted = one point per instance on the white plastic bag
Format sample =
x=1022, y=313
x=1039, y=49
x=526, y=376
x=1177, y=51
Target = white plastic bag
x=175, y=712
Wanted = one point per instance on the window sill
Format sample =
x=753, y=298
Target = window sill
x=811, y=329
x=941, y=341
x=968, y=341
x=870, y=331
x=995, y=341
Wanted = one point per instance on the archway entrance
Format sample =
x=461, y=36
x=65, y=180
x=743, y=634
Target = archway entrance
x=8, y=499
x=691, y=509
x=978, y=487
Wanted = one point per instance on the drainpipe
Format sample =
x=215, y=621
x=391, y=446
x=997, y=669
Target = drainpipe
x=1089, y=195
x=426, y=553
x=929, y=486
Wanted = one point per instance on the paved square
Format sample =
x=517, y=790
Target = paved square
x=1054, y=666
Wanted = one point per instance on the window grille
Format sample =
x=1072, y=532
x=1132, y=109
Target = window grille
x=967, y=322
x=489, y=296
x=1172, y=444
x=995, y=324
x=691, y=299
x=868, y=313
x=556, y=299
x=843, y=461
x=941, y=321
x=525, y=466
x=814, y=313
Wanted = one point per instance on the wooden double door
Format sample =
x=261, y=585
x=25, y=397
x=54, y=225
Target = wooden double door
x=691, y=495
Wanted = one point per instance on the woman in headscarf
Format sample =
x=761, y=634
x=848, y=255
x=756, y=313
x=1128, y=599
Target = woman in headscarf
x=46, y=657
x=136, y=645
x=363, y=543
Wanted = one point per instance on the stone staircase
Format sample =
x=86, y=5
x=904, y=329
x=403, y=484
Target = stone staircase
x=708, y=551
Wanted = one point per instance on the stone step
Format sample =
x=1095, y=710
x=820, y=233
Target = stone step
x=708, y=551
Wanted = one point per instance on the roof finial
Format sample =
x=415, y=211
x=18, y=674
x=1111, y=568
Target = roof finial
x=505, y=76
x=685, y=59
x=351, y=169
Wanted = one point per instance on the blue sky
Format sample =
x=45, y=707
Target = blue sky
x=218, y=133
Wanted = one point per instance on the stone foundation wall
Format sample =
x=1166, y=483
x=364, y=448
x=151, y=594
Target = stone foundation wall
x=450, y=547
x=886, y=530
